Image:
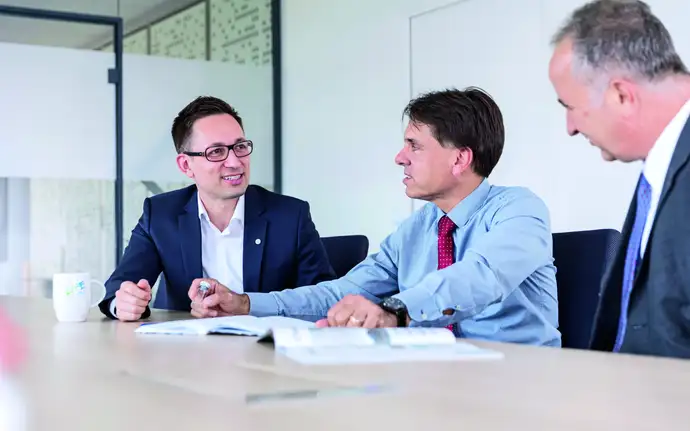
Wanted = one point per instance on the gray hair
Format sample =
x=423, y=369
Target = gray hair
x=622, y=36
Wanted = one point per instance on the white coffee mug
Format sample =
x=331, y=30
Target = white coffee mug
x=73, y=296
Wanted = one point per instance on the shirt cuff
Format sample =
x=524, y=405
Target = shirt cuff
x=262, y=304
x=112, y=307
x=421, y=305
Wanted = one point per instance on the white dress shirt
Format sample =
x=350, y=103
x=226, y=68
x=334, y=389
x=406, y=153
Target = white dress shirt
x=221, y=252
x=656, y=165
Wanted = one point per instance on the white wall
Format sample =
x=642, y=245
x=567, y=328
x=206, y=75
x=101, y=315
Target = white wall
x=344, y=90
x=345, y=84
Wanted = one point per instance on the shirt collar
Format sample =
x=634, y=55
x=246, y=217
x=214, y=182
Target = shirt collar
x=462, y=212
x=237, y=215
x=659, y=157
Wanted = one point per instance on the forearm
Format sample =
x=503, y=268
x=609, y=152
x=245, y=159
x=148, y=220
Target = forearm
x=444, y=297
x=307, y=303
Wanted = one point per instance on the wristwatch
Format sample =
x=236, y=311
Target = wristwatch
x=397, y=308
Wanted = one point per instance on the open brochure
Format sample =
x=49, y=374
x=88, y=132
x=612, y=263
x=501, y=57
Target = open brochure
x=360, y=346
x=230, y=325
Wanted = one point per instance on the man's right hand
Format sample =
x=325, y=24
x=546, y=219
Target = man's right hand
x=132, y=300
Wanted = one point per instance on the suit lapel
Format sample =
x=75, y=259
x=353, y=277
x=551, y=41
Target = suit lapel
x=254, y=240
x=679, y=159
x=614, y=270
x=612, y=281
x=608, y=312
x=189, y=231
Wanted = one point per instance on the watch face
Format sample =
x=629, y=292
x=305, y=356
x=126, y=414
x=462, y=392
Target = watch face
x=394, y=304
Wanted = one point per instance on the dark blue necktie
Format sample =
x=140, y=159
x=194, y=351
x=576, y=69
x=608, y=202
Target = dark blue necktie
x=632, y=255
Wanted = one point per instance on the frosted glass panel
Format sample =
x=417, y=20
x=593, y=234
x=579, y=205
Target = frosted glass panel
x=241, y=31
x=181, y=36
x=58, y=113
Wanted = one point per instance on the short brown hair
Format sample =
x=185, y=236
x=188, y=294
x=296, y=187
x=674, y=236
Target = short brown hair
x=466, y=118
x=201, y=107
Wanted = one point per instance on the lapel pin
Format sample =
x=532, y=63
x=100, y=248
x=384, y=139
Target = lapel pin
x=257, y=241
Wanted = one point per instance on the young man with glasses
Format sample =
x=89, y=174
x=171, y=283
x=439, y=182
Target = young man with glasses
x=220, y=229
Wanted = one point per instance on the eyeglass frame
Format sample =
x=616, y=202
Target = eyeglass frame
x=230, y=147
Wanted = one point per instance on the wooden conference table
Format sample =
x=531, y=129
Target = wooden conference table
x=100, y=375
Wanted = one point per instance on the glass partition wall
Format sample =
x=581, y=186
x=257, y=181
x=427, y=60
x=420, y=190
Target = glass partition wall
x=58, y=207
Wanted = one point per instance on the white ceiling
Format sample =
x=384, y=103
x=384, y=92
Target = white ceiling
x=135, y=13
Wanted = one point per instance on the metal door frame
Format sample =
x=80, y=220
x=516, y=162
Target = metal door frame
x=114, y=77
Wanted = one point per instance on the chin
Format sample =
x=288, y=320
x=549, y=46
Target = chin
x=607, y=156
x=234, y=193
x=412, y=194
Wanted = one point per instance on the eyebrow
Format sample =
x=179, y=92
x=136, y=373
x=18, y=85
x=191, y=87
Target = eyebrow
x=222, y=144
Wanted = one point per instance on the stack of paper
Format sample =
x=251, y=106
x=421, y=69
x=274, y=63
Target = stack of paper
x=366, y=346
x=301, y=341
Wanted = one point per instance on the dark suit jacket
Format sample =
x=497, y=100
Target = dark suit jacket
x=167, y=239
x=659, y=308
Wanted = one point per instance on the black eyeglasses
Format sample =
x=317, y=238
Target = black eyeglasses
x=219, y=153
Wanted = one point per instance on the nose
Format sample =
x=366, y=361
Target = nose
x=232, y=161
x=401, y=158
x=572, y=129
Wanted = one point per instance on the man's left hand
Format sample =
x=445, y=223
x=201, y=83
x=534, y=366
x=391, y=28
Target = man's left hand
x=357, y=311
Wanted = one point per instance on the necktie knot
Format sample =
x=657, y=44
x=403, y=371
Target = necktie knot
x=445, y=227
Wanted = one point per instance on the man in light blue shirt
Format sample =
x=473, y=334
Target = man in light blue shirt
x=476, y=258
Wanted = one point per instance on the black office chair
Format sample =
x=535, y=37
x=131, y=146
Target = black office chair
x=345, y=252
x=581, y=259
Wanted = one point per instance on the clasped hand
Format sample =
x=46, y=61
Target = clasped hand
x=219, y=300
x=357, y=311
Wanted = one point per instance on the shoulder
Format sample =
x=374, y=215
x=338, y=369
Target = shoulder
x=176, y=199
x=273, y=201
x=181, y=196
x=420, y=220
x=504, y=202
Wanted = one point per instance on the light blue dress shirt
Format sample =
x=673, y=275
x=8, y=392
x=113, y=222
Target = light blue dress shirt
x=502, y=286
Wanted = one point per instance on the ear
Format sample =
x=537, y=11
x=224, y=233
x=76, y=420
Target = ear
x=463, y=161
x=183, y=165
x=622, y=96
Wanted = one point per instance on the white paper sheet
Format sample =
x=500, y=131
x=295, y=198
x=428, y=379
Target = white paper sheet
x=230, y=325
x=334, y=355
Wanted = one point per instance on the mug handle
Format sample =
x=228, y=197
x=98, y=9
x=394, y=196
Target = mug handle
x=100, y=297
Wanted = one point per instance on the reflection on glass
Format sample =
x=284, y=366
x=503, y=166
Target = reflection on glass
x=54, y=225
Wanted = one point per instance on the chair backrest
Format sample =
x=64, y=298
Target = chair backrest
x=345, y=252
x=581, y=259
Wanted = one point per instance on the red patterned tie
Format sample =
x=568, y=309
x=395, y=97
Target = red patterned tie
x=446, y=255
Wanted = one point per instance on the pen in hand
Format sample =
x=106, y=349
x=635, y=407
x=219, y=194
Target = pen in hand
x=204, y=288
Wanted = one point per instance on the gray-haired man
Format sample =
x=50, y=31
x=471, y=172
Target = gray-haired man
x=624, y=87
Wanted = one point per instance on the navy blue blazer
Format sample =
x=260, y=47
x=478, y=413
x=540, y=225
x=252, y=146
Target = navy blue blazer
x=167, y=240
